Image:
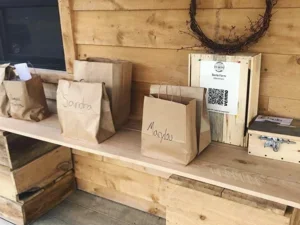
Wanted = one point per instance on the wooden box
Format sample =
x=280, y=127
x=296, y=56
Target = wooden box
x=189, y=202
x=34, y=175
x=275, y=141
x=16, y=150
x=38, y=203
x=229, y=128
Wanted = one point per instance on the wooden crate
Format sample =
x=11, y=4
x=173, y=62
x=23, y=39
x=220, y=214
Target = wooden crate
x=191, y=202
x=125, y=183
x=38, y=203
x=34, y=175
x=232, y=129
x=16, y=150
x=262, y=132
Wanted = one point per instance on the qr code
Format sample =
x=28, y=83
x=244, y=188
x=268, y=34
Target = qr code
x=217, y=96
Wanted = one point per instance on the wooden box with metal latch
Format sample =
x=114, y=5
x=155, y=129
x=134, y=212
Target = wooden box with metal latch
x=275, y=138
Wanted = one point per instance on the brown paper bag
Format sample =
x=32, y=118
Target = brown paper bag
x=169, y=128
x=116, y=74
x=27, y=99
x=202, y=116
x=6, y=72
x=84, y=111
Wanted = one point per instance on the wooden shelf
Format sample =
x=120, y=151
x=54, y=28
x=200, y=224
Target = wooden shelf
x=222, y=165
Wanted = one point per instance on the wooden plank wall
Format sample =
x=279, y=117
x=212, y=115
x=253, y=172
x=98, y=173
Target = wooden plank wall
x=149, y=34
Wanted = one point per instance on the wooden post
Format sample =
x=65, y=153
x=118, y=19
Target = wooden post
x=67, y=33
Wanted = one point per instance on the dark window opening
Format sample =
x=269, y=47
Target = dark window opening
x=30, y=32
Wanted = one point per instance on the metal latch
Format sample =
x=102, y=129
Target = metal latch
x=275, y=142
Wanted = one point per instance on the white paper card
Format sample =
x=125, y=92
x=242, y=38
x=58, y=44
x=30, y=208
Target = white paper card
x=23, y=71
x=281, y=121
x=222, y=81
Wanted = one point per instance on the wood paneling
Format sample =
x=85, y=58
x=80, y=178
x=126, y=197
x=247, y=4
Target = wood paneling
x=284, y=107
x=66, y=20
x=162, y=29
x=173, y=4
x=280, y=73
x=149, y=34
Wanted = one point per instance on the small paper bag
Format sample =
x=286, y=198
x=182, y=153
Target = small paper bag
x=84, y=111
x=6, y=72
x=27, y=99
x=169, y=128
x=202, y=116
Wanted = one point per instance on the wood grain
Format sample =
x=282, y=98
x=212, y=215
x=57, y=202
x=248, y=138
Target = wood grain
x=295, y=220
x=59, y=190
x=188, y=206
x=122, y=164
x=8, y=189
x=173, y=4
x=113, y=210
x=255, y=202
x=122, y=198
x=174, y=66
x=51, y=76
x=11, y=211
x=221, y=165
x=162, y=29
x=43, y=170
x=66, y=21
x=284, y=107
x=50, y=90
x=121, y=179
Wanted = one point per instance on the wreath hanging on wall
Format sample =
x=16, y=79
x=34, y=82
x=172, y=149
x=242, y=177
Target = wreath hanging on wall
x=233, y=43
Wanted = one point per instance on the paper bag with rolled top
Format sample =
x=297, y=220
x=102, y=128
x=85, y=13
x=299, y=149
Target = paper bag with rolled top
x=6, y=73
x=169, y=128
x=202, y=116
x=84, y=111
x=27, y=99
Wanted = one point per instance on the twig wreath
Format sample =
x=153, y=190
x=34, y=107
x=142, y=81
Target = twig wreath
x=233, y=43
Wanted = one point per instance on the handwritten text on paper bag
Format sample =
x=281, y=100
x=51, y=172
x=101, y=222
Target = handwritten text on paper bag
x=77, y=105
x=162, y=136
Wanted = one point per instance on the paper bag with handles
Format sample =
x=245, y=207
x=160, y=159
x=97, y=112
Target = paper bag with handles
x=169, y=128
x=27, y=99
x=84, y=111
x=202, y=115
x=6, y=73
x=116, y=74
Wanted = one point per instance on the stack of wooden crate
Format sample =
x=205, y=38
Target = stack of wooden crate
x=34, y=177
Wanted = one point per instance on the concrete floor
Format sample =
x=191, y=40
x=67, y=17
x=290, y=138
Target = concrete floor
x=85, y=209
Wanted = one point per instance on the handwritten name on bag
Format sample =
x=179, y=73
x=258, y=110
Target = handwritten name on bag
x=16, y=102
x=76, y=105
x=163, y=136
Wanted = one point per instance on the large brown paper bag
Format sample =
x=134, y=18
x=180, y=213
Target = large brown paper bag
x=84, y=111
x=169, y=128
x=6, y=72
x=116, y=74
x=27, y=99
x=202, y=116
